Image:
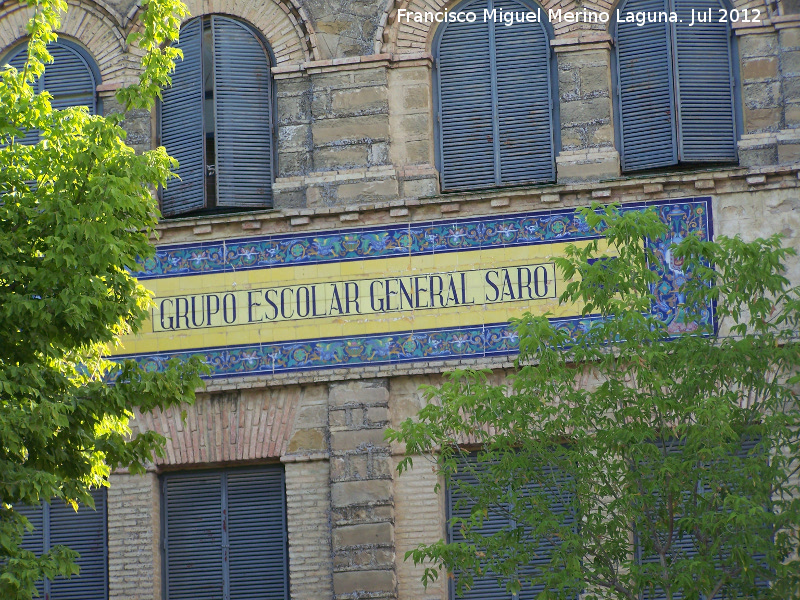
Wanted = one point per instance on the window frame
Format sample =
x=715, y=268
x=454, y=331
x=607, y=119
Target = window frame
x=83, y=53
x=273, y=126
x=166, y=476
x=736, y=93
x=553, y=93
x=44, y=507
x=472, y=456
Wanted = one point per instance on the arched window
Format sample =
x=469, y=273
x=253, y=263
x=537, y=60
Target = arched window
x=216, y=119
x=495, y=103
x=71, y=78
x=675, y=85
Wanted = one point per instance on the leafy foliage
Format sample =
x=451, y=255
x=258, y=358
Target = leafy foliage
x=677, y=455
x=76, y=210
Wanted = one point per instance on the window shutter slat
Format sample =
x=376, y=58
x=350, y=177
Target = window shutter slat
x=465, y=103
x=522, y=55
x=182, y=126
x=243, y=112
x=257, y=534
x=705, y=94
x=644, y=73
x=193, y=536
x=85, y=533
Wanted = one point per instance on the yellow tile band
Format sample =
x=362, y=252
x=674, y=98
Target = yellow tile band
x=352, y=298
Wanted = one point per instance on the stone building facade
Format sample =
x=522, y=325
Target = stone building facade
x=355, y=144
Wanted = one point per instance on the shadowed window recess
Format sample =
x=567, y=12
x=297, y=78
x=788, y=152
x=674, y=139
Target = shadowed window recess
x=216, y=119
x=496, y=105
x=676, y=84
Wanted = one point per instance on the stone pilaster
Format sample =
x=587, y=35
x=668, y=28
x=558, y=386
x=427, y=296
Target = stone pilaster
x=134, y=535
x=307, y=515
x=586, y=111
x=362, y=505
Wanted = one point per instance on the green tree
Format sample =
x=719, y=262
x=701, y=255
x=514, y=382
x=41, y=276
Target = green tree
x=76, y=211
x=635, y=461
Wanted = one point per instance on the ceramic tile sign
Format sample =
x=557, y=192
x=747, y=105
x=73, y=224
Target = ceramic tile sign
x=423, y=291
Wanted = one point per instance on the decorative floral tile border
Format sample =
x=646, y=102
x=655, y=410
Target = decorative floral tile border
x=365, y=243
x=685, y=217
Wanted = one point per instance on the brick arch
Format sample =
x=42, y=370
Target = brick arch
x=244, y=425
x=93, y=25
x=283, y=23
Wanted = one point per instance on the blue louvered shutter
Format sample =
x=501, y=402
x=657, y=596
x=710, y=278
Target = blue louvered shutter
x=524, y=106
x=182, y=125
x=35, y=540
x=750, y=447
x=18, y=62
x=706, y=121
x=466, y=108
x=225, y=535
x=257, y=534
x=193, y=537
x=644, y=88
x=495, y=104
x=485, y=586
x=683, y=544
x=555, y=487
x=70, y=79
x=84, y=532
x=243, y=113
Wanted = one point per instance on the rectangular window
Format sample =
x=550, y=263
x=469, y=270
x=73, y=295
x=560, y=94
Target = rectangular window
x=84, y=532
x=486, y=585
x=683, y=545
x=224, y=535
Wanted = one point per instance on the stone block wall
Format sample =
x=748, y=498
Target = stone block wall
x=350, y=119
x=584, y=84
x=362, y=505
x=586, y=112
x=345, y=28
x=770, y=87
x=293, y=122
x=761, y=85
x=333, y=136
x=411, y=124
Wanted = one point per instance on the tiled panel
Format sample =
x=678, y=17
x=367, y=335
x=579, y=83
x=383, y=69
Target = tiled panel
x=469, y=322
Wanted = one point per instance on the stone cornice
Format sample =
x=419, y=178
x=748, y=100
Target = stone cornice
x=484, y=202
